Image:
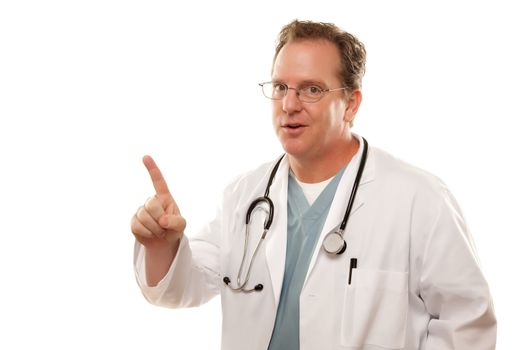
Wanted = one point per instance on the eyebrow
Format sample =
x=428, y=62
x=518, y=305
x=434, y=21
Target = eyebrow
x=302, y=83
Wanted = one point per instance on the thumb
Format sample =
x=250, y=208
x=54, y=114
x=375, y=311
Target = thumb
x=173, y=222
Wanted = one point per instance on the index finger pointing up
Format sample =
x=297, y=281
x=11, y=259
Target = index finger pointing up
x=160, y=185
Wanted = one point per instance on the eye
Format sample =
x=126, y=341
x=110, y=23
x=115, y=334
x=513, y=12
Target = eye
x=312, y=90
x=279, y=87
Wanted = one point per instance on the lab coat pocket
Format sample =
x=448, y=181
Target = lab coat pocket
x=375, y=309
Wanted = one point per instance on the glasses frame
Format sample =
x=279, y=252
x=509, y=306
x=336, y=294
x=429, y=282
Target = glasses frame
x=297, y=92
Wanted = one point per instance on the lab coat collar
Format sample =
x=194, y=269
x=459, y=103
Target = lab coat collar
x=342, y=195
x=277, y=237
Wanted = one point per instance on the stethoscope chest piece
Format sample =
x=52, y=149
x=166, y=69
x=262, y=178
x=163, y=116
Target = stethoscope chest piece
x=334, y=243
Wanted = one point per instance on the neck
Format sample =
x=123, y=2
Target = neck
x=325, y=166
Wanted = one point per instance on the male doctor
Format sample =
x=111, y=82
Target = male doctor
x=403, y=272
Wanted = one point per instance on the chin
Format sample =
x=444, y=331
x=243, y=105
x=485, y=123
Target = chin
x=294, y=149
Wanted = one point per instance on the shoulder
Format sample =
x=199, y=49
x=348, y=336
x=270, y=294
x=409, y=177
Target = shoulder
x=408, y=189
x=392, y=173
x=252, y=180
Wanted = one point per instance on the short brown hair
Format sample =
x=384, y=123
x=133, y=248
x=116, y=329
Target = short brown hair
x=351, y=50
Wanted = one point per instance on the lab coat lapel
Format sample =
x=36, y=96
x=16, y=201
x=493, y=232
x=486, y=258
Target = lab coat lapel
x=340, y=202
x=276, y=238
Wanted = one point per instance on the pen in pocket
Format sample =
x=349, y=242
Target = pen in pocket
x=353, y=265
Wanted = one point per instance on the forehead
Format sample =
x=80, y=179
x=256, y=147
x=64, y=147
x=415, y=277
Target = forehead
x=306, y=60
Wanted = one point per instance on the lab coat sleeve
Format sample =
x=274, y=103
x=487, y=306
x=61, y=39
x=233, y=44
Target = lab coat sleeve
x=193, y=276
x=452, y=286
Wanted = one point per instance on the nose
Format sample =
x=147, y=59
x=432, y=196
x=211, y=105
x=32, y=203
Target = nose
x=291, y=103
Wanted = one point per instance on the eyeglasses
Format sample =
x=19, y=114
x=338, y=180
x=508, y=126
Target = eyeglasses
x=308, y=93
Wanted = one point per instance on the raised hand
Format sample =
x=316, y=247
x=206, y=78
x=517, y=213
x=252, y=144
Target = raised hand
x=158, y=222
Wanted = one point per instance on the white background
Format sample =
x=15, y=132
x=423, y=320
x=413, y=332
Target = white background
x=88, y=87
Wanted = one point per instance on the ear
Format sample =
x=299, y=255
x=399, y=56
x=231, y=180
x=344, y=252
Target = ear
x=352, y=105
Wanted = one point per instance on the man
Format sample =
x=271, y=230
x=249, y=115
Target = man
x=401, y=274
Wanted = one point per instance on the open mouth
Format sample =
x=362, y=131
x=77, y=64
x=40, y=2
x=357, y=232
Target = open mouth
x=294, y=126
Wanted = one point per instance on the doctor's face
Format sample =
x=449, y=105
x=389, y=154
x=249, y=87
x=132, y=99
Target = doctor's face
x=309, y=131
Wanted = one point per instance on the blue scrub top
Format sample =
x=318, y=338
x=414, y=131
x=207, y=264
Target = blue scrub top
x=305, y=223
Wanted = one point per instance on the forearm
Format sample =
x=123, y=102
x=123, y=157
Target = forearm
x=187, y=283
x=158, y=260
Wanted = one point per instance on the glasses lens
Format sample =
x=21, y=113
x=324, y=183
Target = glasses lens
x=310, y=93
x=274, y=91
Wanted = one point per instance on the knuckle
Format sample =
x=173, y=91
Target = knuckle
x=149, y=223
x=178, y=223
x=182, y=222
x=136, y=227
x=149, y=203
x=141, y=214
x=153, y=207
x=133, y=224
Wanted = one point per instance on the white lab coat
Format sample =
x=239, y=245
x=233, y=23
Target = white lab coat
x=417, y=285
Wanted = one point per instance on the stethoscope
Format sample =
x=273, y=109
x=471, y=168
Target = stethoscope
x=333, y=243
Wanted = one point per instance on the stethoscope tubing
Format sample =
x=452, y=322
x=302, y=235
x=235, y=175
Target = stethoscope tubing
x=269, y=219
x=357, y=181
